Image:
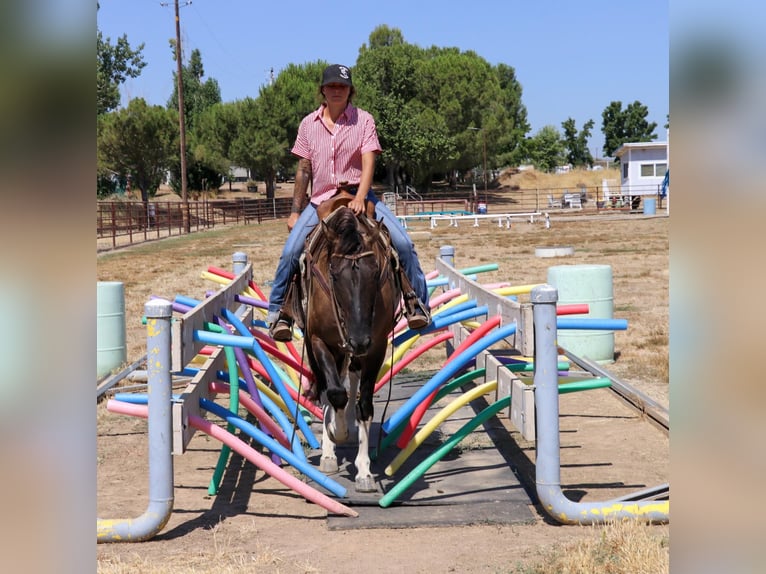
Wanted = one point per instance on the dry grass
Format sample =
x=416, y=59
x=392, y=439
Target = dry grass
x=626, y=547
x=635, y=246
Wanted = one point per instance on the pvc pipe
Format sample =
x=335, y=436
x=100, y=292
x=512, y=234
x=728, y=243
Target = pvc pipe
x=437, y=455
x=411, y=356
x=255, y=409
x=592, y=323
x=158, y=314
x=442, y=321
x=421, y=409
x=251, y=343
x=252, y=455
x=446, y=389
x=572, y=309
x=271, y=405
x=446, y=373
x=273, y=446
x=548, y=462
x=437, y=419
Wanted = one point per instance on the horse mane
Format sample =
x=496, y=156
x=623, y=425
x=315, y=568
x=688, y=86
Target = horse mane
x=345, y=225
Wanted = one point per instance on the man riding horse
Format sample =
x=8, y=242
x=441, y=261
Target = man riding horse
x=337, y=145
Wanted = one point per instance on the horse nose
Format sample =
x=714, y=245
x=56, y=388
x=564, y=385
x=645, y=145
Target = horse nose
x=360, y=345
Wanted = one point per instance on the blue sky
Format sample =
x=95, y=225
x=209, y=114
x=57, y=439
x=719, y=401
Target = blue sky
x=572, y=58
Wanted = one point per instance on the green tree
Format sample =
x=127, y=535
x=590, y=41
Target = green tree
x=624, y=126
x=576, y=144
x=138, y=141
x=269, y=125
x=425, y=100
x=546, y=149
x=115, y=63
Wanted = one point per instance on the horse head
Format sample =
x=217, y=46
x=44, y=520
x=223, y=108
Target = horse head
x=355, y=266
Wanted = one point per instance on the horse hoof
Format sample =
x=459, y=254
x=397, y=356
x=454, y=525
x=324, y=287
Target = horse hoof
x=328, y=465
x=365, y=484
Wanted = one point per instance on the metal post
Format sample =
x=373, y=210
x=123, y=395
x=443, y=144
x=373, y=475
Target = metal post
x=239, y=262
x=447, y=254
x=158, y=360
x=548, y=461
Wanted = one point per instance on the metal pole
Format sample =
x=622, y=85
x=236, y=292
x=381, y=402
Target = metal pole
x=158, y=314
x=181, y=125
x=548, y=457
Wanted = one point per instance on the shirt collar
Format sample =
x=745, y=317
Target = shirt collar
x=346, y=114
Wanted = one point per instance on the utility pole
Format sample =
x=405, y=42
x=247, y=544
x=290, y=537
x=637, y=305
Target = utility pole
x=182, y=126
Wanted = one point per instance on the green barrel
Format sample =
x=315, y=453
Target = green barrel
x=111, y=351
x=591, y=284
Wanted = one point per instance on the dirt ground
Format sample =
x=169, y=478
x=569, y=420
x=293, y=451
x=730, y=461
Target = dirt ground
x=255, y=524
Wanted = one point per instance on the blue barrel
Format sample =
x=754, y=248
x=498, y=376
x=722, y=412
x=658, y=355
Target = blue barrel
x=650, y=205
x=591, y=284
x=111, y=350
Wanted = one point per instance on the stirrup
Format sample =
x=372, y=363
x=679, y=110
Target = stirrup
x=417, y=315
x=281, y=330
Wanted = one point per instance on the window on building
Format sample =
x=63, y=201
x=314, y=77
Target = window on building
x=625, y=171
x=647, y=170
x=653, y=169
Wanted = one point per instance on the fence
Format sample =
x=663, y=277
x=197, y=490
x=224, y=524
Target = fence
x=120, y=223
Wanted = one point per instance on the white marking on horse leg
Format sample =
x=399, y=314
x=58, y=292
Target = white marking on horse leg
x=328, y=463
x=353, y=387
x=364, y=480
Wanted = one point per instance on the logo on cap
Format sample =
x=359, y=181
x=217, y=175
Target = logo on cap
x=343, y=72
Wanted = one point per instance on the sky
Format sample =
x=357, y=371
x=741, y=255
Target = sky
x=571, y=58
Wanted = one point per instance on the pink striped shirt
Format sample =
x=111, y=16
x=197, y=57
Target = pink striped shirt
x=336, y=155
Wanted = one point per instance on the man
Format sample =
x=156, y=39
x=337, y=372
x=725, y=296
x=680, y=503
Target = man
x=337, y=145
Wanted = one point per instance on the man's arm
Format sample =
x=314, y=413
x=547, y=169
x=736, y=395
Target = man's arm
x=300, y=191
x=365, y=182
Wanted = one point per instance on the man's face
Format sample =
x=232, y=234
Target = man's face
x=336, y=92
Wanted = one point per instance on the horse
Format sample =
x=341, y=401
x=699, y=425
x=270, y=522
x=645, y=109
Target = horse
x=350, y=297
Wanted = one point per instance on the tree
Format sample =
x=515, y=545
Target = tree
x=546, y=149
x=623, y=126
x=114, y=64
x=576, y=144
x=425, y=100
x=138, y=141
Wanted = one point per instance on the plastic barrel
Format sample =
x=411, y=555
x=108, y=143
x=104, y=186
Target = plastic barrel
x=111, y=351
x=591, y=284
x=650, y=206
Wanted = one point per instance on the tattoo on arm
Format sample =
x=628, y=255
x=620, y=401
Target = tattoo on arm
x=302, y=181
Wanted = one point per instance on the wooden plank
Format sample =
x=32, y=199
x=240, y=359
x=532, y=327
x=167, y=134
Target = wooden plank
x=183, y=346
x=655, y=412
x=509, y=311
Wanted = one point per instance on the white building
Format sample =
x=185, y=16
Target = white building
x=642, y=167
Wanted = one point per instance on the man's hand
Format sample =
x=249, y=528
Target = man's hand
x=357, y=204
x=291, y=221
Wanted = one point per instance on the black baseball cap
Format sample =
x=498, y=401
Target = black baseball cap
x=336, y=74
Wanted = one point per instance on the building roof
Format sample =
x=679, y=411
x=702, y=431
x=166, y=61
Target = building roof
x=624, y=148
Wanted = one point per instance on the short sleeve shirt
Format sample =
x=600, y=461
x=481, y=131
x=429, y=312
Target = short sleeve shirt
x=336, y=156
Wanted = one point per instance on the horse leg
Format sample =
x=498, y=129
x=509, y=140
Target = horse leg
x=328, y=463
x=364, y=481
x=351, y=416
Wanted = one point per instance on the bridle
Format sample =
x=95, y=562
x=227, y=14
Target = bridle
x=340, y=320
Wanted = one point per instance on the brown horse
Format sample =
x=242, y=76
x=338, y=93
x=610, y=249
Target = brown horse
x=351, y=295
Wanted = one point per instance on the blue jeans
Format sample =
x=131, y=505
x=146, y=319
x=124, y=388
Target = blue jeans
x=308, y=220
